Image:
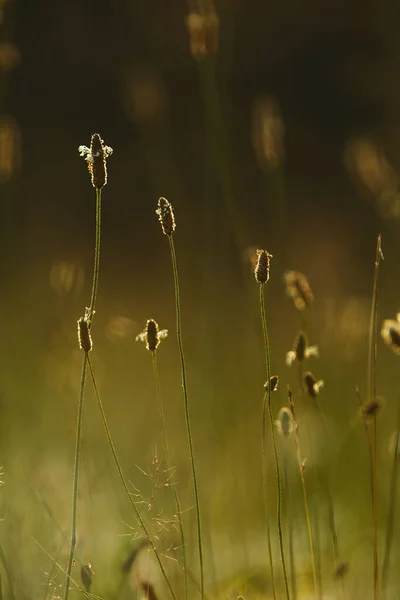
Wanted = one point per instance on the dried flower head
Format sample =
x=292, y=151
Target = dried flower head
x=151, y=335
x=301, y=350
x=394, y=445
x=371, y=408
x=268, y=131
x=391, y=333
x=285, y=422
x=166, y=216
x=298, y=288
x=341, y=570
x=87, y=576
x=273, y=383
x=312, y=386
x=96, y=157
x=84, y=337
x=261, y=272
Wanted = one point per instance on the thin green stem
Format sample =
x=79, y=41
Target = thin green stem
x=76, y=475
x=305, y=500
x=271, y=420
x=392, y=505
x=95, y=283
x=265, y=488
x=186, y=403
x=123, y=480
x=166, y=450
x=293, y=581
x=371, y=391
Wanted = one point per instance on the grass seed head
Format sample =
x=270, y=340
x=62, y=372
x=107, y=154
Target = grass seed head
x=301, y=350
x=311, y=385
x=84, y=337
x=372, y=408
x=151, y=335
x=87, y=576
x=298, y=288
x=96, y=157
x=166, y=216
x=273, y=383
x=285, y=422
x=261, y=271
x=341, y=570
x=391, y=334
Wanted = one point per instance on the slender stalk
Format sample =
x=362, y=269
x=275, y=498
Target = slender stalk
x=186, y=403
x=123, y=480
x=293, y=582
x=371, y=390
x=271, y=420
x=392, y=505
x=265, y=488
x=76, y=475
x=305, y=500
x=166, y=449
x=95, y=283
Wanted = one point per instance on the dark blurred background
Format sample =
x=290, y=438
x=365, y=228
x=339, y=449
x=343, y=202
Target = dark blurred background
x=271, y=125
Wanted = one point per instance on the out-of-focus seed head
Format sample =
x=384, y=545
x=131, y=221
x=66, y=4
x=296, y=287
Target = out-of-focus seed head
x=298, y=288
x=166, y=216
x=203, y=29
x=341, y=570
x=96, y=157
x=268, y=131
x=301, y=350
x=261, y=271
x=311, y=385
x=87, y=576
x=84, y=337
x=372, y=408
x=391, y=334
x=151, y=335
x=273, y=383
x=285, y=422
x=394, y=445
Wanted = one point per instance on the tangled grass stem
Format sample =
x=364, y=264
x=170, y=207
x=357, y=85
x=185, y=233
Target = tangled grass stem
x=271, y=419
x=186, y=403
x=123, y=480
x=166, y=449
x=76, y=475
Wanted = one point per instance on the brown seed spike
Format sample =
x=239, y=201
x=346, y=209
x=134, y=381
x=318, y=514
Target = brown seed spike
x=166, y=216
x=341, y=570
x=273, y=383
x=300, y=346
x=96, y=157
x=261, y=271
x=87, y=576
x=372, y=408
x=152, y=339
x=391, y=334
x=84, y=337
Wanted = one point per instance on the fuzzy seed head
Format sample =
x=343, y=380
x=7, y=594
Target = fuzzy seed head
x=394, y=445
x=298, y=288
x=166, y=216
x=391, y=334
x=96, y=157
x=311, y=385
x=372, y=408
x=261, y=271
x=273, y=383
x=84, y=337
x=151, y=335
x=285, y=422
x=87, y=576
x=341, y=570
x=301, y=350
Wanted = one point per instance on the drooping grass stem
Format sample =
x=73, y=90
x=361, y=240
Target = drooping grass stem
x=271, y=419
x=123, y=480
x=167, y=460
x=186, y=405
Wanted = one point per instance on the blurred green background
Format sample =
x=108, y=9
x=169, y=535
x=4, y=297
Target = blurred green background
x=266, y=125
